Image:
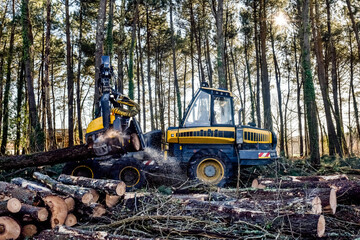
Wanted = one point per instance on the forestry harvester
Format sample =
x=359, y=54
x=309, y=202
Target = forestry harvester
x=207, y=145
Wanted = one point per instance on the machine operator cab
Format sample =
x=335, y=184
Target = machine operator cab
x=209, y=144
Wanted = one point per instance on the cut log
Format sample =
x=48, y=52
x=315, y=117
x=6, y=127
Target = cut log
x=71, y=220
x=63, y=232
x=58, y=210
x=113, y=187
x=30, y=185
x=341, y=177
x=348, y=192
x=12, y=205
x=70, y=203
x=70, y=154
x=92, y=210
x=184, y=197
x=26, y=196
x=84, y=195
x=300, y=224
x=276, y=183
x=37, y=213
x=9, y=228
x=111, y=200
x=29, y=230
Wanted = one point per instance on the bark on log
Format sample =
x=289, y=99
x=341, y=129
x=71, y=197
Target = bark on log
x=93, y=210
x=84, y=195
x=37, y=213
x=341, y=177
x=14, y=191
x=58, y=210
x=69, y=154
x=32, y=186
x=301, y=224
x=71, y=220
x=63, y=232
x=113, y=187
x=28, y=231
x=9, y=228
x=12, y=205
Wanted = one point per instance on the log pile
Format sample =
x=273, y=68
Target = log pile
x=27, y=207
x=83, y=208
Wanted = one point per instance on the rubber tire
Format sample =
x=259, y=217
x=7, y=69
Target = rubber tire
x=122, y=164
x=70, y=167
x=192, y=170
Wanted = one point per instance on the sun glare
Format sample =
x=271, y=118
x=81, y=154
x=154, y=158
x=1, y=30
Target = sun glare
x=281, y=20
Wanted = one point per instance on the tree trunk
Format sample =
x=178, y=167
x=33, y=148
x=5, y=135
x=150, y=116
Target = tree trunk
x=1, y=82
x=120, y=83
x=29, y=230
x=39, y=214
x=149, y=67
x=26, y=196
x=12, y=205
x=7, y=85
x=132, y=48
x=51, y=135
x=257, y=50
x=99, y=51
x=299, y=86
x=264, y=69
x=334, y=145
x=142, y=77
x=58, y=210
x=278, y=87
x=69, y=154
x=248, y=70
x=192, y=30
x=309, y=92
x=218, y=13
x=176, y=83
x=70, y=78
x=78, y=80
x=109, y=33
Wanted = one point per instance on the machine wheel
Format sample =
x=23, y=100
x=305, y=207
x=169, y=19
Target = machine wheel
x=209, y=170
x=87, y=168
x=130, y=172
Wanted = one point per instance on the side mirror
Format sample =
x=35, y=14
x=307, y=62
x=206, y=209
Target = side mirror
x=240, y=110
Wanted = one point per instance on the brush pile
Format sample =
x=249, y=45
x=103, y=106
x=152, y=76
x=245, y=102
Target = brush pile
x=83, y=208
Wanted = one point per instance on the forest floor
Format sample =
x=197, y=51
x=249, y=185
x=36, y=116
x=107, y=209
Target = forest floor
x=163, y=211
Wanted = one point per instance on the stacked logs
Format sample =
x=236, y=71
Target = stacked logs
x=27, y=207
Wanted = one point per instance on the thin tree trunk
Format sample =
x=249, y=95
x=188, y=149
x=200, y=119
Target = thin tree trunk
x=209, y=61
x=99, y=51
x=70, y=79
x=78, y=82
x=120, y=83
x=299, y=86
x=20, y=92
x=248, y=70
x=131, y=54
x=109, y=35
x=2, y=83
x=142, y=78
x=185, y=72
x=52, y=143
x=53, y=103
x=278, y=87
x=257, y=50
x=7, y=85
x=192, y=30
x=149, y=67
x=176, y=83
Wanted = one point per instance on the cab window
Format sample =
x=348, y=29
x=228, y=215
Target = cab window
x=199, y=115
x=222, y=111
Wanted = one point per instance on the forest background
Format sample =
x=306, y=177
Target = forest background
x=293, y=67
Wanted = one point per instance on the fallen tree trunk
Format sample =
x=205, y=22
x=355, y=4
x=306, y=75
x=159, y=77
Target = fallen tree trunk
x=9, y=228
x=70, y=154
x=113, y=187
x=71, y=220
x=28, y=231
x=84, y=195
x=32, y=186
x=301, y=224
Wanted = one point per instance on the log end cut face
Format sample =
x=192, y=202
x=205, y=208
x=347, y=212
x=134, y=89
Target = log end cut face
x=9, y=228
x=321, y=226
